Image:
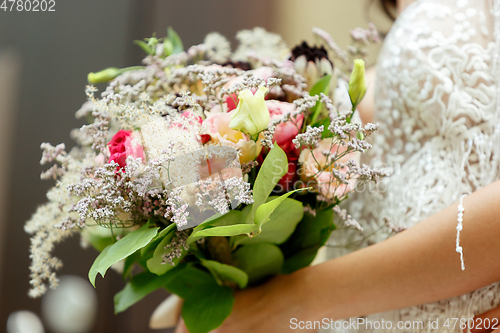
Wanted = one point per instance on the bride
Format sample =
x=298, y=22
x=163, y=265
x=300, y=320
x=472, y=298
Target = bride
x=436, y=101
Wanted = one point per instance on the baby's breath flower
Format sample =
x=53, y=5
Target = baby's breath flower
x=309, y=138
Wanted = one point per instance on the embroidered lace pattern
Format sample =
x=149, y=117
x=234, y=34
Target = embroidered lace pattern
x=437, y=109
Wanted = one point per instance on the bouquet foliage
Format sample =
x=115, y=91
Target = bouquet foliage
x=207, y=171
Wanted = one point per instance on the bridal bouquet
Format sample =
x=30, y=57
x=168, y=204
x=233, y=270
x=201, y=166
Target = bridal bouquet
x=207, y=171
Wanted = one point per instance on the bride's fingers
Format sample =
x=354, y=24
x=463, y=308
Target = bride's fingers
x=492, y=323
x=181, y=328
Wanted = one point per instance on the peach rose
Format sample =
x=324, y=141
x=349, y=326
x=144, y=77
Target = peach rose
x=315, y=167
x=217, y=126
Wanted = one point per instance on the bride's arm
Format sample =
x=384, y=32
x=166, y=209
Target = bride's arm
x=417, y=266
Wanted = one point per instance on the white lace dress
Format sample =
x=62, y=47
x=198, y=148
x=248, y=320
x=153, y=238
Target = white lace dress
x=436, y=102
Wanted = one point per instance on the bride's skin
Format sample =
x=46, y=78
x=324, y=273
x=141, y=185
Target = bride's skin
x=366, y=107
x=417, y=266
x=402, y=4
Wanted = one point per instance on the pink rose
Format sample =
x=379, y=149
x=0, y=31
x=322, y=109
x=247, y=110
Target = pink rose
x=285, y=132
x=124, y=144
x=232, y=102
x=217, y=127
x=117, y=143
x=317, y=169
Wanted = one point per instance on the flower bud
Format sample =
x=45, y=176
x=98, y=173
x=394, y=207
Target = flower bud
x=103, y=76
x=357, y=84
x=168, y=48
x=251, y=115
x=109, y=74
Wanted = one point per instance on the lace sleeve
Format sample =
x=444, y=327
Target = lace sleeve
x=436, y=104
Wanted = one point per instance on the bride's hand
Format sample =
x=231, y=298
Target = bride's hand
x=267, y=308
x=491, y=315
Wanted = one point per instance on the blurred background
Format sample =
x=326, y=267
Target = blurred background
x=44, y=61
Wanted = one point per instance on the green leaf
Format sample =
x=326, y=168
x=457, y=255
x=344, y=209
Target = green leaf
x=227, y=231
x=173, y=37
x=322, y=86
x=209, y=310
x=229, y=224
x=318, y=230
x=186, y=281
x=147, y=252
x=311, y=233
x=300, y=260
x=144, y=46
x=121, y=249
x=129, y=264
x=97, y=263
x=274, y=167
x=281, y=224
x=155, y=264
x=264, y=211
x=206, y=304
x=99, y=243
x=137, y=288
x=226, y=273
x=169, y=230
x=234, y=241
x=259, y=260
x=210, y=221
